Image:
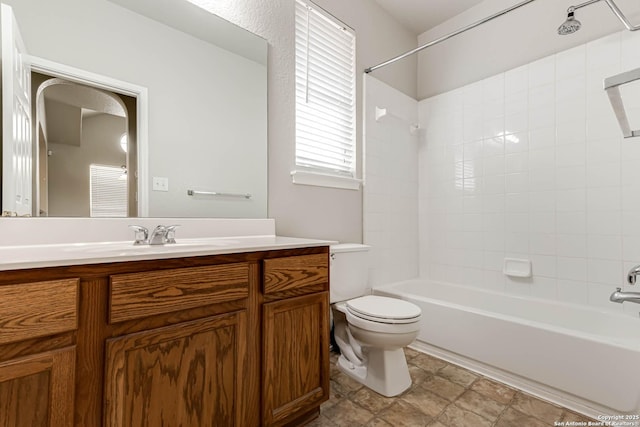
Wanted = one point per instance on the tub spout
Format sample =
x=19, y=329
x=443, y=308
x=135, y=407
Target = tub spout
x=621, y=297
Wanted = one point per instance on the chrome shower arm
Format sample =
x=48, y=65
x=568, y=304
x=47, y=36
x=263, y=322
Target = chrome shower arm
x=614, y=8
x=578, y=6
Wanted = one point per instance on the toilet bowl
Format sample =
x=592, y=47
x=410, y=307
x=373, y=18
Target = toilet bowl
x=370, y=330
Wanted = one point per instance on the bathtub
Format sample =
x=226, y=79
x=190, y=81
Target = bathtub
x=581, y=358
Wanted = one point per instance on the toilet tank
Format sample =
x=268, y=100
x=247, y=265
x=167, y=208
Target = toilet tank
x=349, y=271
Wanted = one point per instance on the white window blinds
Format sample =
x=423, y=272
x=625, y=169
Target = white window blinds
x=325, y=93
x=108, y=197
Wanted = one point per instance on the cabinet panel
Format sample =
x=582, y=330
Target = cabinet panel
x=29, y=310
x=186, y=374
x=296, y=357
x=148, y=293
x=38, y=390
x=296, y=272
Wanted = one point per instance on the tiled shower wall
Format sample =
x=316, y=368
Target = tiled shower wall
x=390, y=199
x=531, y=164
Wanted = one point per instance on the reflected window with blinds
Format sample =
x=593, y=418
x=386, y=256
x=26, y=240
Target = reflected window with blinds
x=325, y=99
x=108, y=191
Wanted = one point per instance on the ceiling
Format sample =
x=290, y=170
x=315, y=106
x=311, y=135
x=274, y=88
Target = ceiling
x=422, y=15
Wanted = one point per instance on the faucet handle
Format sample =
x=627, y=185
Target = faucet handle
x=632, y=275
x=140, y=231
x=171, y=233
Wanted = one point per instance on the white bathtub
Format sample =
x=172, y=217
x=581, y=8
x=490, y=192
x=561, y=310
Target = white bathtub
x=585, y=359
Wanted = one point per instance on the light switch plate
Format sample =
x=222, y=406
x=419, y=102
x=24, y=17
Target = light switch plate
x=160, y=183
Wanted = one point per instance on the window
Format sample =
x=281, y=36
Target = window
x=108, y=187
x=325, y=100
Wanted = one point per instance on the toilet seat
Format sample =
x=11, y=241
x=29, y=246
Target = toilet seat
x=383, y=310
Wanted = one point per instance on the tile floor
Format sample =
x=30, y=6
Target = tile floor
x=442, y=394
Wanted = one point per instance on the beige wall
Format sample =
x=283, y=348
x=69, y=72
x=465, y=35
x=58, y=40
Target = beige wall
x=69, y=164
x=524, y=35
x=303, y=210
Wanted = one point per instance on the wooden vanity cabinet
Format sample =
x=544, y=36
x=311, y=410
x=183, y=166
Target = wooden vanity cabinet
x=226, y=340
x=296, y=338
x=188, y=373
x=37, y=357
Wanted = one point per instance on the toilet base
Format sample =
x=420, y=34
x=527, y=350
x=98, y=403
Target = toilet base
x=386, y=371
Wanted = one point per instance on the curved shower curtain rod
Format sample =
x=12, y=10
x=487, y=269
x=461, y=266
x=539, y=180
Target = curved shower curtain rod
x=448, y=36
x=610, y=3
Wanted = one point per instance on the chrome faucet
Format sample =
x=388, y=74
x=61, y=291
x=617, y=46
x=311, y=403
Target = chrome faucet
x=159, y=236
x=633, y=275
x=171, y=233
x=621, y=297
x=142, y=235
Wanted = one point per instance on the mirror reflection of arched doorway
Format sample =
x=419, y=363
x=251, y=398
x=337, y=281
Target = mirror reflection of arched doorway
x=83, y=169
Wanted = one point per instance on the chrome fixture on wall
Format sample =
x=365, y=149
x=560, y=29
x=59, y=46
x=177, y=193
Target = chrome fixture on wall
x=571, y=25
x=612, y=86
x=633, y=275
x=620, y=297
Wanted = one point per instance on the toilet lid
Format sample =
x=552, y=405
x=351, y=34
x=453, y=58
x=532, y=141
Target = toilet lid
x=384, y=309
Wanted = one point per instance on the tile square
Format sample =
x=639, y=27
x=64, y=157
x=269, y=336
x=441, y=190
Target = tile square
x=371, y=400
x=344, y=383
x=480, y=404
x=426, y=402
x=428, y=363
x=513, y=418
x=570, y=416
x=378, y=422
x=537, y=408
x=322, y=421
x=402, y=414
x=347, y=413
x=494, y=390
x=443, y=387
x=516, y=80
x=454, y=416
x=458, y=375
x=410, y=353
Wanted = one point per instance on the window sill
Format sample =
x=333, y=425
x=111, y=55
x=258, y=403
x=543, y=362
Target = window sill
x=323, y=180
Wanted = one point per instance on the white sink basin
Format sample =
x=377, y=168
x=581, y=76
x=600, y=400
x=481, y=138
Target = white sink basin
x=126, y=248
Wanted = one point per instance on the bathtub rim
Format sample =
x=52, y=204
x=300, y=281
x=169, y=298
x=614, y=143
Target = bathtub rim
x=626, y=344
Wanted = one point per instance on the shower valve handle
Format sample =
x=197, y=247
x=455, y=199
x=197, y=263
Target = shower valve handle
x=633, y=275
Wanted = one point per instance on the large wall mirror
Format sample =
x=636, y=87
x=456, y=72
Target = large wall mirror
x=132, y=108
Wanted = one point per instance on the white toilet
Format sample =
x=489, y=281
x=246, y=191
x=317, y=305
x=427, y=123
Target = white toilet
x=370, y=330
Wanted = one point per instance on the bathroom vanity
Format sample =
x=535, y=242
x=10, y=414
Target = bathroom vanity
x=206, y=338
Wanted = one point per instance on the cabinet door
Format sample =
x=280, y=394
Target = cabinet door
x=188, y=374
x=296, y=357
x=38, y=390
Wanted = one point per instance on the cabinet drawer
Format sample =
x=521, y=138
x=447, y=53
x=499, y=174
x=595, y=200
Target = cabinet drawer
x=38, y=309
x=149, y=293
x=296, y=273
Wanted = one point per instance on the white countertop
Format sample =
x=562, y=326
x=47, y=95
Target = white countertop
x=52, y=255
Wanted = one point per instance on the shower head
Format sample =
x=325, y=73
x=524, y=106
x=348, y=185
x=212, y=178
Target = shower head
x=571, y=25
